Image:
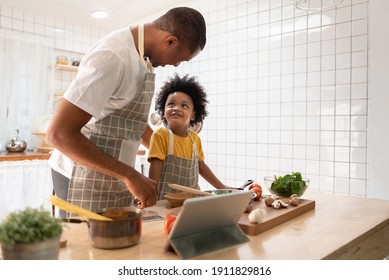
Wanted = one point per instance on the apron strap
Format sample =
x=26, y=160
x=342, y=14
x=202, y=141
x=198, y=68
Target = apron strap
x=171, y=144
x=194, y=148
x=141, y=42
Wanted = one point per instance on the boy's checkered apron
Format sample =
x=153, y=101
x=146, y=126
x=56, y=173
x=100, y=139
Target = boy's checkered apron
x=116, y=134
x=178, y=170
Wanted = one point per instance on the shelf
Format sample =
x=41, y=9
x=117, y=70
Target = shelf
x=66, y=67
x=58, y=93
x=27, y=155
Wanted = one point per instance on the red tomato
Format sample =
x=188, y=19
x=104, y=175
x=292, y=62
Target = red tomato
x=255, y=185
x=258, y=192
x=168, y=224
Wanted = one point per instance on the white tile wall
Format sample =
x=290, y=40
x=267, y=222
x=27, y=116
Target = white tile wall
x=287, y=89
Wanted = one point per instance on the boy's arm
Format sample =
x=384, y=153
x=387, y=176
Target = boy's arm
x=155, y=169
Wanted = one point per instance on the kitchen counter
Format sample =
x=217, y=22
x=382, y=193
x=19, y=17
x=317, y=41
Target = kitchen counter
x=340, y=227
x=26, y=155
x=33, y=155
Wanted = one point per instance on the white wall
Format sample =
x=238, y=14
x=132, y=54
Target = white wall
x=288, y=92
x=378, y=132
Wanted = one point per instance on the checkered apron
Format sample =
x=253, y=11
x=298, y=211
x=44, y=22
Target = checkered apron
x=119, y=135
x=178, y=170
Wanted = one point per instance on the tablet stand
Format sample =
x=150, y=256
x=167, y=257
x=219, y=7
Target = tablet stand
x=204, y=242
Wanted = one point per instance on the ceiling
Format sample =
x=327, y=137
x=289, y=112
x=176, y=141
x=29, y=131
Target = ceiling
x=122, y=12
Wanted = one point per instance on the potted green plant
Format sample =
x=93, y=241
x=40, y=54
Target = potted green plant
x=30, y=234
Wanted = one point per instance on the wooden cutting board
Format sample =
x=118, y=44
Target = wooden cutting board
x=273, y=217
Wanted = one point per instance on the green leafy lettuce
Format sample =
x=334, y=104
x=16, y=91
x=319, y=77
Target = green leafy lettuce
x=288, y=184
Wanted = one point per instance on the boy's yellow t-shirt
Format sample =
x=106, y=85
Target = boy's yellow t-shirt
x=159, y=145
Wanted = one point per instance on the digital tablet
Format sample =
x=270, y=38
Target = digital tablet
x=208, y=214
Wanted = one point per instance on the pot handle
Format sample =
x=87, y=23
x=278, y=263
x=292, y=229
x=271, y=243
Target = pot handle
x=74, y=221
x=246, y=183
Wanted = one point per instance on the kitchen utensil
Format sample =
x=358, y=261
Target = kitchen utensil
x=16, y=145
x=178, y=198
x=222, y=191
x=197, y=127
x=225, y=191
x=64, y=205
x=246, y=184
x=273, y=217
x=76, y=61
x=123, y=230
x=155, y=118
x=189, y=190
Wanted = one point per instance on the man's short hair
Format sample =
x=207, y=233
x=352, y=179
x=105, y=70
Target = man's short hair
x=187, y=24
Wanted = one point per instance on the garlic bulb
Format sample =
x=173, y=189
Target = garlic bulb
x=256, y=215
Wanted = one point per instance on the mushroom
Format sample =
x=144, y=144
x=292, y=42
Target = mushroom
x=276, y=204
x=283, y=203
x=269, y=200
x=294, y=201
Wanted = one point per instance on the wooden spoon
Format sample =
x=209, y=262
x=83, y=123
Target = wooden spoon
x=64, y=205
x=189, y=190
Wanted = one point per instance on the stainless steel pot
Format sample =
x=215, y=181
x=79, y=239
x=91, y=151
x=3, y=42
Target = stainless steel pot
x=123, y=231
x=244, y=187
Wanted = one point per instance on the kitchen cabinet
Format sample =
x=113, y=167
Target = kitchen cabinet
x=340, y=227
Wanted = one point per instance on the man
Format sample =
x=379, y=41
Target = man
x=100, y=123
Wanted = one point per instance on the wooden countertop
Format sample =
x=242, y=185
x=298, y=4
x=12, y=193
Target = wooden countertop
x=32, y=155
x=26, y=155
x=340, y=227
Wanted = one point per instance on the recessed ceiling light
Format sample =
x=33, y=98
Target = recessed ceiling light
x=99, y=14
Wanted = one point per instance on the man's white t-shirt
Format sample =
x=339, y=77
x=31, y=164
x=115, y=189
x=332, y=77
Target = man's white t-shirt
x=109, y=76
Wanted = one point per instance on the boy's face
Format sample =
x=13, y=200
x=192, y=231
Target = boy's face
x=179, y=111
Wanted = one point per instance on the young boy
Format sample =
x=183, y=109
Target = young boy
x=175, y=152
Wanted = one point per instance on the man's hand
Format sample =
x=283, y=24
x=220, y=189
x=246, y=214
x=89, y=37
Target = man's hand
x=143, y=188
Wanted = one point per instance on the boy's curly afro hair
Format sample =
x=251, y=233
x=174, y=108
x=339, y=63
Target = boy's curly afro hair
x=190, y=86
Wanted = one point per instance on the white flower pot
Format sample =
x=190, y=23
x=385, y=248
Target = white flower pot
x=44, y=250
